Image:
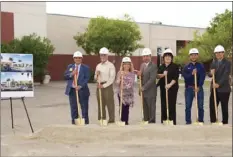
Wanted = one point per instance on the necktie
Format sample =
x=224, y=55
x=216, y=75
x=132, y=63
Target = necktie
x=76, y=73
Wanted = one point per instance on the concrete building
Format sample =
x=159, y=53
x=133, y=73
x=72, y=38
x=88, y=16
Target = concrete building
x=23, y=18
x=62, y=28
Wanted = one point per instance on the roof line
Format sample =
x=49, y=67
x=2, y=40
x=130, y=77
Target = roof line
x=55, y=14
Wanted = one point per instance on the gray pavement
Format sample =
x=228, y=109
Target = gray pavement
x=50, y=115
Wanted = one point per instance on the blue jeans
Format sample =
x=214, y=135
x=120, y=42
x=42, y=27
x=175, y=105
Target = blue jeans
x=189, y=95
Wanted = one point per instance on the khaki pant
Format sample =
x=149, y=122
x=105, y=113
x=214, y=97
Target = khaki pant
x=107, y=100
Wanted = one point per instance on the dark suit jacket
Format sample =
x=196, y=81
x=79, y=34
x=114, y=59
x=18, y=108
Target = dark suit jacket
x=83, y=78
x=222, y=73
x=149, y=79
x=172, y=74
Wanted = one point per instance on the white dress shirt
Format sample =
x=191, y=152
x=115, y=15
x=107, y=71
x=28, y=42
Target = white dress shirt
x=107, y=73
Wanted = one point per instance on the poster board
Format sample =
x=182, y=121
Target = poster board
x=16, y=75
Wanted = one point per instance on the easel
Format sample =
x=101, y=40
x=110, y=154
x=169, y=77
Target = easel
x=12, y=118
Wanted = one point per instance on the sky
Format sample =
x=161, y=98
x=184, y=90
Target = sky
x=189, y=14
x=17, y=76
x=25, y=58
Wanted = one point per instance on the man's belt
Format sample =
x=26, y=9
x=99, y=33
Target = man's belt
x=191, y=86
x=103, y=82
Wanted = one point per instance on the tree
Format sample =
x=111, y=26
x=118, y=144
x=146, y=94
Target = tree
x=219, y=32
x=119, y=36
x=41, y=48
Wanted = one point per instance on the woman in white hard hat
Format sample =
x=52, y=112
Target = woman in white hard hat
x=172, y=71
x=127, y=73
x=221, y=68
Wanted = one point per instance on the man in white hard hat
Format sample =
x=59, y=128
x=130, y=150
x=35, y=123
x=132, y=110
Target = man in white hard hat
x=105, y=74
x=148, y=71
x=83, y=75
x=221, y=68
x=189, y=71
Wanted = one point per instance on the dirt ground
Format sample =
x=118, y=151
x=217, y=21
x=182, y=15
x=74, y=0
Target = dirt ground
x=54, y=136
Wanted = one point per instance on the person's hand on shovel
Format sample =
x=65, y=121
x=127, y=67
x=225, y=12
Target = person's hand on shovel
x=99, y=85
x=78, y=87
x=212, y=71
x=194, y=71
x=168, y=86
x=196, y=89
x=98, y=76
x=215, y=85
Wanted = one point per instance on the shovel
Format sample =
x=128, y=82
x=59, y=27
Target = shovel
x=215, y=104
x=121, y=123
x=80, y=120
x=167, y=122
x=196, y=104
x=140, y=86
x=102, y=121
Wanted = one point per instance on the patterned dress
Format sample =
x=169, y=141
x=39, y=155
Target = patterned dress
x=128, y=88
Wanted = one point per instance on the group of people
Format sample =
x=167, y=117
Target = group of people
x=168, y=75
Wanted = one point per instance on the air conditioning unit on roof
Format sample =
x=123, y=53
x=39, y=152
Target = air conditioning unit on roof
x=157, y=22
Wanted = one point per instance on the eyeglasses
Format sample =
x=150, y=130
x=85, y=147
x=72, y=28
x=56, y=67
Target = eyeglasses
x=77, y=57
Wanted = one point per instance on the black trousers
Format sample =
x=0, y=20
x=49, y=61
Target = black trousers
x=222, y=97
x=124, y=112
x=172, y=97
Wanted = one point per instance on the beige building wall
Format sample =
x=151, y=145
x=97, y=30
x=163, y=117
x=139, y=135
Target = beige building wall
x=29, y=17
x=62, y=28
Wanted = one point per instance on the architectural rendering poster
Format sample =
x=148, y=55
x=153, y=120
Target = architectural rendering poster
x=16, y=75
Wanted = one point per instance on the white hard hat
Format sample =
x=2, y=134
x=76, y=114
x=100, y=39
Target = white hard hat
x=104, y=51
x=219, y=48
x=146, y=51
x=193, y=51
x=126, y=59
x=167, y=51
x=77, y=54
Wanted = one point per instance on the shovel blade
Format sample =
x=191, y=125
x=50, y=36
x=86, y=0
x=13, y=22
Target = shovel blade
x=144, y=122
x=168, y=122
x=120, y=123
x=198, y=123
x=217, y=123
x=80, y=121
x=103, y=122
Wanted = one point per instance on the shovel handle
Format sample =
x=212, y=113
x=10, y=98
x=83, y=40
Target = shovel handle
x=196, y=103
x=100, y=99
x=77, y=98
x=167, y=97
x=121, y=96
x=215, y=100
x=140, y=86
